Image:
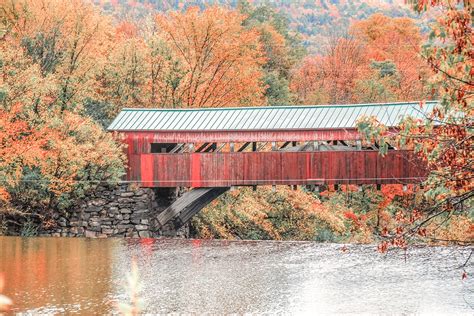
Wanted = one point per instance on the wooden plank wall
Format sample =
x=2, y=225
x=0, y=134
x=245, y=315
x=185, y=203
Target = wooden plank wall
x=274, y=168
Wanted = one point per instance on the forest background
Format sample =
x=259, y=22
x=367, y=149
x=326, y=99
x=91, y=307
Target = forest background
x=68, y=67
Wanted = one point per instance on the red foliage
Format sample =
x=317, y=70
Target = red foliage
x=126, y=30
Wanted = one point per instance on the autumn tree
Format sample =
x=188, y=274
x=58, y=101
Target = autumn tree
x=196, y=58
x=283, y=49
x=332, y=77
x=51, y=152
x=444, y=139
x=220, y=59
x=20, y=146
x=140, y=71
x=122, y=80
x=393, y=48
x=378, y=61
x=305, y=84
x=65, y=38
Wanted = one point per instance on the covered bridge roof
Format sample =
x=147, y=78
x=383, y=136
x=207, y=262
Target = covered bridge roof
x=265, y=118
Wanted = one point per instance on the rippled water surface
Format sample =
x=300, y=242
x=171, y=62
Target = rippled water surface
x=87, y=276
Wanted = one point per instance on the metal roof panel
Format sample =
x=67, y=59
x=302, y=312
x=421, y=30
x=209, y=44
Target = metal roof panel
x=264, y=118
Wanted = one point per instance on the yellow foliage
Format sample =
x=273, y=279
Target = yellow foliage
x=460, y=228
x=263, y=214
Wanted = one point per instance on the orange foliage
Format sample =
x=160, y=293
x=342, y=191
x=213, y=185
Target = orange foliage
x=390, y=191
x=62, y=151
x=397, y=40
x=126, y=30
x=220, y=58
x=331, y=78
x=346, y=73
x=67, y=38
x=20, y=146
x=50, y=152
x=459, y=229
x=444, y=139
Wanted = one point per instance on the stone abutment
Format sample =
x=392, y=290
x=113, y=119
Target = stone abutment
x=119, y=211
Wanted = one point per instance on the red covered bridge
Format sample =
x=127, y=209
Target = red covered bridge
x=284, y=145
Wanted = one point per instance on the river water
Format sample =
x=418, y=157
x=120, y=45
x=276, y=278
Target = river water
x=88, y=276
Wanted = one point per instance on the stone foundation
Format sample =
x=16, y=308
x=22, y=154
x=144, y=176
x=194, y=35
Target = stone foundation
x=120, y=211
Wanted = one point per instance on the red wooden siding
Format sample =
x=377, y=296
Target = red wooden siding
x=279, y=168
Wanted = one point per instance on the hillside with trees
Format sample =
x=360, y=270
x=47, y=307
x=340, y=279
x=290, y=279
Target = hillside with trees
x=313, y=21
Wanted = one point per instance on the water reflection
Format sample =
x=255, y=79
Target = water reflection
x=56, y=274
x=194, y=276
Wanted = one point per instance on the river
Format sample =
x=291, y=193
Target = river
x=88, y=276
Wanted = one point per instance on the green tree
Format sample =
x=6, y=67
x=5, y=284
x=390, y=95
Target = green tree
x=283, y=49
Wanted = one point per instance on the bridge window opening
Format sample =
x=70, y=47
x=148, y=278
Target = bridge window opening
x=243, y=147
x=211, y=148
x=159, y=148
x=266, y=146
x=187, y=148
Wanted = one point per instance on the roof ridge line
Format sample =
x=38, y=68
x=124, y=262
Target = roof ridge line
x=274, y=107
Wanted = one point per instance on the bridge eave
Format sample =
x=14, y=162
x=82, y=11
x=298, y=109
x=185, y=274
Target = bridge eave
x=243, y=135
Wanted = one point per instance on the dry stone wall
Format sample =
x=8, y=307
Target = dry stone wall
x=120, y=211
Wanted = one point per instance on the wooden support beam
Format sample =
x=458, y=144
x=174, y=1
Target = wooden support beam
x=186, y=206
x=211, y=148
x=315, y=145
x=202, y=147
x=307, y=145
x=285, y=144
x=176, y=148
x=243, y=147
x=262, y=146
x=220, y=147
x=190, y=148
